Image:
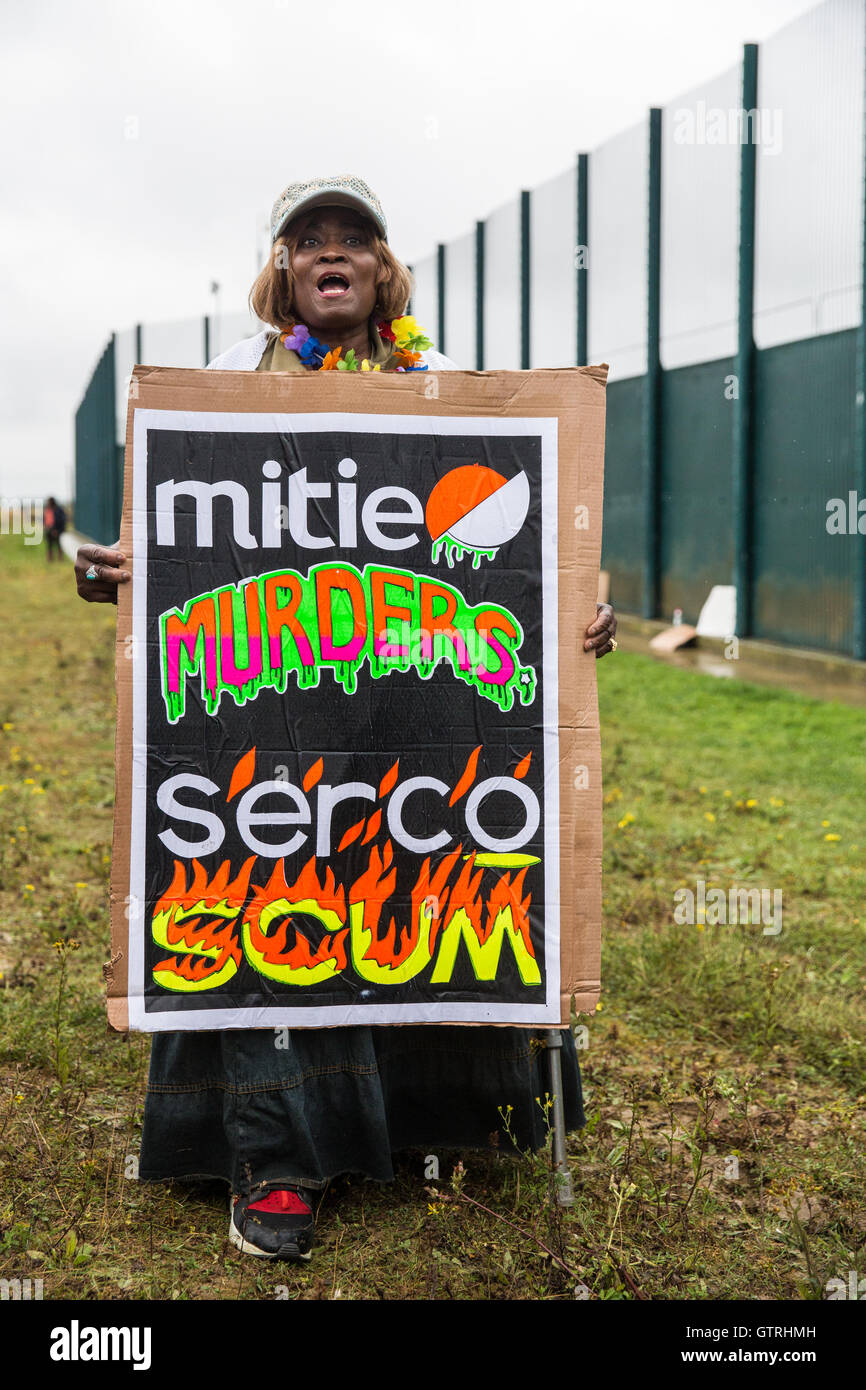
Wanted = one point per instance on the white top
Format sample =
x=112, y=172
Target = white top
x=246, y=355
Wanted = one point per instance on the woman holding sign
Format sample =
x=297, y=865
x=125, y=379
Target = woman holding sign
x=277, y=1114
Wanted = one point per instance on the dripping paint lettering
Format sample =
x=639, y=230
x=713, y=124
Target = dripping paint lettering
x=242, y=638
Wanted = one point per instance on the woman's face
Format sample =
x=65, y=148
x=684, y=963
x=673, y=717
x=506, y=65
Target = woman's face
x=336, y=272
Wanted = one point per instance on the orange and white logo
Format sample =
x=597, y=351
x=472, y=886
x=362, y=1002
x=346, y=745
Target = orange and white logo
x=474, y=508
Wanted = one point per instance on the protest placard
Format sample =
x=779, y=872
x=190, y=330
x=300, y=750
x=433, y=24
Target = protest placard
x=358, y=769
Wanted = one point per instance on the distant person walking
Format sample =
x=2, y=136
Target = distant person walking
x=53, y=526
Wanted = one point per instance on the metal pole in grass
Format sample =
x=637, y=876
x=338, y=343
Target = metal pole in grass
x=564, y=1189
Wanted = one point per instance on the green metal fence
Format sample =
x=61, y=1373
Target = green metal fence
x=98, y=459
x=724, y=283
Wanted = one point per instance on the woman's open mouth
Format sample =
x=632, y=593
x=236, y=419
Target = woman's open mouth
x=333, y=285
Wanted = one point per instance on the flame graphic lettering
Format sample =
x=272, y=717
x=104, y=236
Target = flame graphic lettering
x=306, y=898
x=346, y=924
x=211, y=955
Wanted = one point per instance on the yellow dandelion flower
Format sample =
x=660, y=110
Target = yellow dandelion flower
x=18, y=1098
x=628, y=819
x=832, y=837
x=702, y=790
x=599, y=1007
x=37, y=767
x=28, y=888
x=28, y=782
x=708, y=815
x=776, y=801
x=750, y=803
x=38, y=791
x=79, y=884
x=7, y=726
x=825, y=823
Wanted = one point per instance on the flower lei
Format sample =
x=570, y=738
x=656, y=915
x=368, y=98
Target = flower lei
x=408, y=339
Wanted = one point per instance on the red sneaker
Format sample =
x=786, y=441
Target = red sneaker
x=277, y=1225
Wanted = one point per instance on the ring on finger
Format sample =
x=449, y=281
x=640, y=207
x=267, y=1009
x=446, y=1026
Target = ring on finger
x=612, y=641
x=92, y=573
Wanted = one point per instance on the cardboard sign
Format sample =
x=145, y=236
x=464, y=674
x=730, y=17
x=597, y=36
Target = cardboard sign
x=358, y=768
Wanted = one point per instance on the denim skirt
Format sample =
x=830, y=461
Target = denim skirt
x=301, y=1106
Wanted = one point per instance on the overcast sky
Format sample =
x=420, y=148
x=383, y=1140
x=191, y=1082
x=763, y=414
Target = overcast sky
x=446, y=109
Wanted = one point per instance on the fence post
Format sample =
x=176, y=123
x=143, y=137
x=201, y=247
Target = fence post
x=652, y=402
x=113, y=456
x=525, y=352
x=440, y=294
x=581, y=253
x=859, y=648
x=744, y=400
x=138, y=348
x=479, y=296
x=206, y=338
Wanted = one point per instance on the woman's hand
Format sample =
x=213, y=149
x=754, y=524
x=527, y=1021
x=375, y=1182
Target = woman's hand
x=103, y=589
x=600, y=634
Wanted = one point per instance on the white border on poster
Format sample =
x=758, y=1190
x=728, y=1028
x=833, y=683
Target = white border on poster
x=543, y=428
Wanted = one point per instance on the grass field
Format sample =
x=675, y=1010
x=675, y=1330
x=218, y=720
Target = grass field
x=724, y=1070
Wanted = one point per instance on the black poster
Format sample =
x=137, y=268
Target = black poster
x=344, y=721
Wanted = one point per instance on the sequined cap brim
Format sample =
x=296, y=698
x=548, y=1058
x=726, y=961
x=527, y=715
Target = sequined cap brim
x=343, y=191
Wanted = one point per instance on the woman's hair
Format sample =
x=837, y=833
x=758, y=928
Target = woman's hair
x=272, y=293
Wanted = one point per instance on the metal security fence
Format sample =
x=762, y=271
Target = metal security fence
x=100, y=421
x=713, y=255
x=98, y=462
